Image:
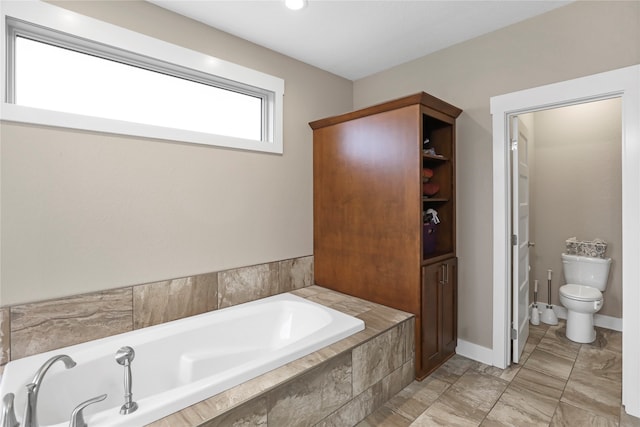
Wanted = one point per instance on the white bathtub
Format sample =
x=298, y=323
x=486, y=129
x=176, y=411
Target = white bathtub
x=178, y=363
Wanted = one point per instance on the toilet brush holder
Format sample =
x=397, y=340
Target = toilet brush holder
x=535, y=313
x=548, y=315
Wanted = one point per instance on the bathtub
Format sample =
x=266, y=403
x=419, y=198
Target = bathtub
x=178, y=363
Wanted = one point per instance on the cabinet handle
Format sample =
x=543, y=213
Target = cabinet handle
x=443, y=270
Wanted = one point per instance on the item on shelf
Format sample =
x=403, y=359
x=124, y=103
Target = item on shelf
x=427, y=173
x=595, y=248
x=430, y=151
x=429, y=228
x=429, y=241
x=431, y=215
x=425, y=143
x=430, y=188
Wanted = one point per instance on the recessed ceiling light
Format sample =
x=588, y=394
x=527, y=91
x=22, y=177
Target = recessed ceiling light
x=295, y=4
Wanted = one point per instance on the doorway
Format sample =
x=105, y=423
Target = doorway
x=623, y=83
x=573, y=161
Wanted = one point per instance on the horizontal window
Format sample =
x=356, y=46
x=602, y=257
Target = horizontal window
x=58, y=75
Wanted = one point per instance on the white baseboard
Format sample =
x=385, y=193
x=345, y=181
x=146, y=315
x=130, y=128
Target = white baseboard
x=600, y=320
x=475, y=352
x=485, y=355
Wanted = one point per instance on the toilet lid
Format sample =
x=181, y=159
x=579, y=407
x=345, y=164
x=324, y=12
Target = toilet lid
x=580, y=292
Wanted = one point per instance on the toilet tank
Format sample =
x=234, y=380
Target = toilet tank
x=582, y=270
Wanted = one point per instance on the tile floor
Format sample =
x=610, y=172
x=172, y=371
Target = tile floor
x=557, y=383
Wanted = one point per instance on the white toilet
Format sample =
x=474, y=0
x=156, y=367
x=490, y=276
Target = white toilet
x=586, y=279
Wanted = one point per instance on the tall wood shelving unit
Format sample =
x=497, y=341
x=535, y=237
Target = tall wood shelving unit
x=369, y=206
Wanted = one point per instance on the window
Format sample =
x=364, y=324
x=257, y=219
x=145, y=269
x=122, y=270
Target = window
x=64, y=69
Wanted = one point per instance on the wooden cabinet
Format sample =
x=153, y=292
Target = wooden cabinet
x=439, y=313
x=370, y=239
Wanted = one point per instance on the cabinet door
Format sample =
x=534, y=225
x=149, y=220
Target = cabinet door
x=432, y=276
x=439, y=314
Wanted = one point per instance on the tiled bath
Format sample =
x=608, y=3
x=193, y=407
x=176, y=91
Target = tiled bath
x=339, y=385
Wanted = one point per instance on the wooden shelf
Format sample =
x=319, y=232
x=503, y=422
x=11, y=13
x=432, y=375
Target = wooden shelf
x=429, y=157
x=363, y=248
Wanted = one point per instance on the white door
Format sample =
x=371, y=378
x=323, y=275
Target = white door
x=520, y=238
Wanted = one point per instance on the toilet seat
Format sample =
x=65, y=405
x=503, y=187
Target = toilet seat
x=580, y=292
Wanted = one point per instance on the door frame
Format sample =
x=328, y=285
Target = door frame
x=623, y=83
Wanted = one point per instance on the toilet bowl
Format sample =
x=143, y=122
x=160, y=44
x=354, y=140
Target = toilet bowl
x=586, y=279
x=581, y=302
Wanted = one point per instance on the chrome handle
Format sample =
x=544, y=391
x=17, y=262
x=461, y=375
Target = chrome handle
x=443, y=269
x=531, y=244
x=77, y=419
x=8, y=411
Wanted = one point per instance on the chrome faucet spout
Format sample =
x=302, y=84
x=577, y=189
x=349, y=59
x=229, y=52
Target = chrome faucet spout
x=30, y=413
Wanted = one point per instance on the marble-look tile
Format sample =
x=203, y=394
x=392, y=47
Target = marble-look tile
x=160, y=302
x=414, y=399
x=465, y=403
x=589, y=392
x=347, y=304
x=383, y=318
x=449, y=414
x=307, y=292
x=392, y=383
x=569, y=416
x=296, y=273
x=355, y=410
x=342, y=302
x=410, y=339
x=253, y=413
x=43, y=326
x=248, y=284
x=601, y=363
x=309, y=398
x=377, y=358
x=525, y=405
x=5, y=335
x=536, y=332
x=385, y=417
x=627, y=420
x=549, y=363
x=476, y=389
x=541, y=385
x=454, y=368
x=506, y=415
x=607, y=338
x=506, y=374
x=408, y=372
x=559, y=346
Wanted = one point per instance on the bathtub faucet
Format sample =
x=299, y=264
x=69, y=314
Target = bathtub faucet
x=30, y=413
x=124, y=357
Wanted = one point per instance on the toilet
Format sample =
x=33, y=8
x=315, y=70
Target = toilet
x=586, y=279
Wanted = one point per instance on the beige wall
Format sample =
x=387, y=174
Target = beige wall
x=86, y=211
x=580, y=39
x=576, y=190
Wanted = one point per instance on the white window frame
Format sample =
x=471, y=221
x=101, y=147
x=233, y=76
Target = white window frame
x=158, y=53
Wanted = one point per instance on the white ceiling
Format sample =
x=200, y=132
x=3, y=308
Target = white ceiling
x=357, y=38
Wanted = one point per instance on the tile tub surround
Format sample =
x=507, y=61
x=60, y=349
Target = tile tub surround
x=32, y=328
x=338, y=385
